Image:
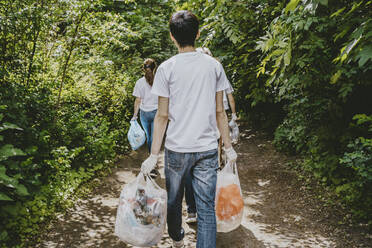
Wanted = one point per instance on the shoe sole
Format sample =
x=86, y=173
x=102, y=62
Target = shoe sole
x=191, y=221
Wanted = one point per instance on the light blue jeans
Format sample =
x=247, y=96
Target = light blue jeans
x=202, y=166
x=147, y=121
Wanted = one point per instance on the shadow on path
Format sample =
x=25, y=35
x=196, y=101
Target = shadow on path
x=276, y=214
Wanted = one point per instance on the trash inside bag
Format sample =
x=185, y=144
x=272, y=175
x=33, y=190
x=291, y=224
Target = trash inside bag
x=229, y=200
x=234, y=131
x=142, y=211
x=136, y=135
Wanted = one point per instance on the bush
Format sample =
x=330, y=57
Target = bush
x=67, y=72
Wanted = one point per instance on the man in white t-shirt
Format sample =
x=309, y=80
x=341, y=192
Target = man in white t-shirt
x=190, y=87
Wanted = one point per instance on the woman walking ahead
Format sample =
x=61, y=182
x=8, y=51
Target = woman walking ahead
x=146, y=102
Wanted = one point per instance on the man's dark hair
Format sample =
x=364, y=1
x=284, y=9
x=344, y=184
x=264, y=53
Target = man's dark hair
x=184, y=27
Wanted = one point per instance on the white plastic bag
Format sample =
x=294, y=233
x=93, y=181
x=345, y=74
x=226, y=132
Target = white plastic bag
x=229, y=200
x=142, y=212
x=234, y=131
x=136, y=135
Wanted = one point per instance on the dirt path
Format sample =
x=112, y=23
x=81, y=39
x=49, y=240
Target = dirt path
x=278, y=212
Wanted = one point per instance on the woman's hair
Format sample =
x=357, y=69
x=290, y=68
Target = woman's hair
x=149, y=66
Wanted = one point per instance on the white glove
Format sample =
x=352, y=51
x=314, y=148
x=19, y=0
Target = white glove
x=134, y=118
x=234, y=117
x=149, y=164
x=231, y=155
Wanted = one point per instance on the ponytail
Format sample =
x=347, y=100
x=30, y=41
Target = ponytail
x=149, y=67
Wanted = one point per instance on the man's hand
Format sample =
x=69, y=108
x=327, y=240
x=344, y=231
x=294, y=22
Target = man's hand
x=234, y=117
x=134, y=118
x=149, y=164
x=231, y=155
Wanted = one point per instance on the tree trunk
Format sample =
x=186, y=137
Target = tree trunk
x=34, y=44
x=29, y=71
x=64, y=69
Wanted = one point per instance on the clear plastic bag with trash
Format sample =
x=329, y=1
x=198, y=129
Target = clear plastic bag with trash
x=142, y=212
x=229, y=200
x=136, y=135
x=234, y=131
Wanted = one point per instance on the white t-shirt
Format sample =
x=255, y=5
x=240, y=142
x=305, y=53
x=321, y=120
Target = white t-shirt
x=190, y=81
x=149, y=101
x=227, y=91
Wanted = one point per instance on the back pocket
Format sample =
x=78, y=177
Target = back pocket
x=175, y=160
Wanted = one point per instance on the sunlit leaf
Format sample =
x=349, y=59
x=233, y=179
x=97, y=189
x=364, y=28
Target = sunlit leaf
x=291, y=5
x=338, y=12
x=287, y=57
x=347, y=49
x=335, y=77
x=9, y=150
x=7, y=125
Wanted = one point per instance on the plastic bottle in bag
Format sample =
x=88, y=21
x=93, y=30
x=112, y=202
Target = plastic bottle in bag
x=141, y=214
x=229, y=200
x=136, y=135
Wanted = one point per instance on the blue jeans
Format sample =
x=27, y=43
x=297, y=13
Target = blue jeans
x=147, y=121
x=202, y=166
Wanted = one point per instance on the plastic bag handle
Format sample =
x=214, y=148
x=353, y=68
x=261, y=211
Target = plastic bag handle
x=140, y=176
x=233, y=167
x=147, y=179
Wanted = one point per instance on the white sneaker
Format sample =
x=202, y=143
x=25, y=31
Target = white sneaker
x=191, y=218
x=178, y=244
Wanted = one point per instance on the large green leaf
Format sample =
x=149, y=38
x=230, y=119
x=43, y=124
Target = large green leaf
x=364, y=55
x=7, y=125
x=4, y=197
x=324, y=2
x=3, y=176
x=291, y=5
x=5, y=179
x=21, y=190
x=12, y=182
x=9, y=150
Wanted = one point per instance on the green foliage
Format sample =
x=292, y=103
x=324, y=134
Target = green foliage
x=10, y=185
x=67, y=71
x=324, y=87
x=358, y=158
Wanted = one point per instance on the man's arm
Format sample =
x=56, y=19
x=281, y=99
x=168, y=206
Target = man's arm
x=160, y=124
x=222, y=122
x=231, y=102
x=137, y=104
